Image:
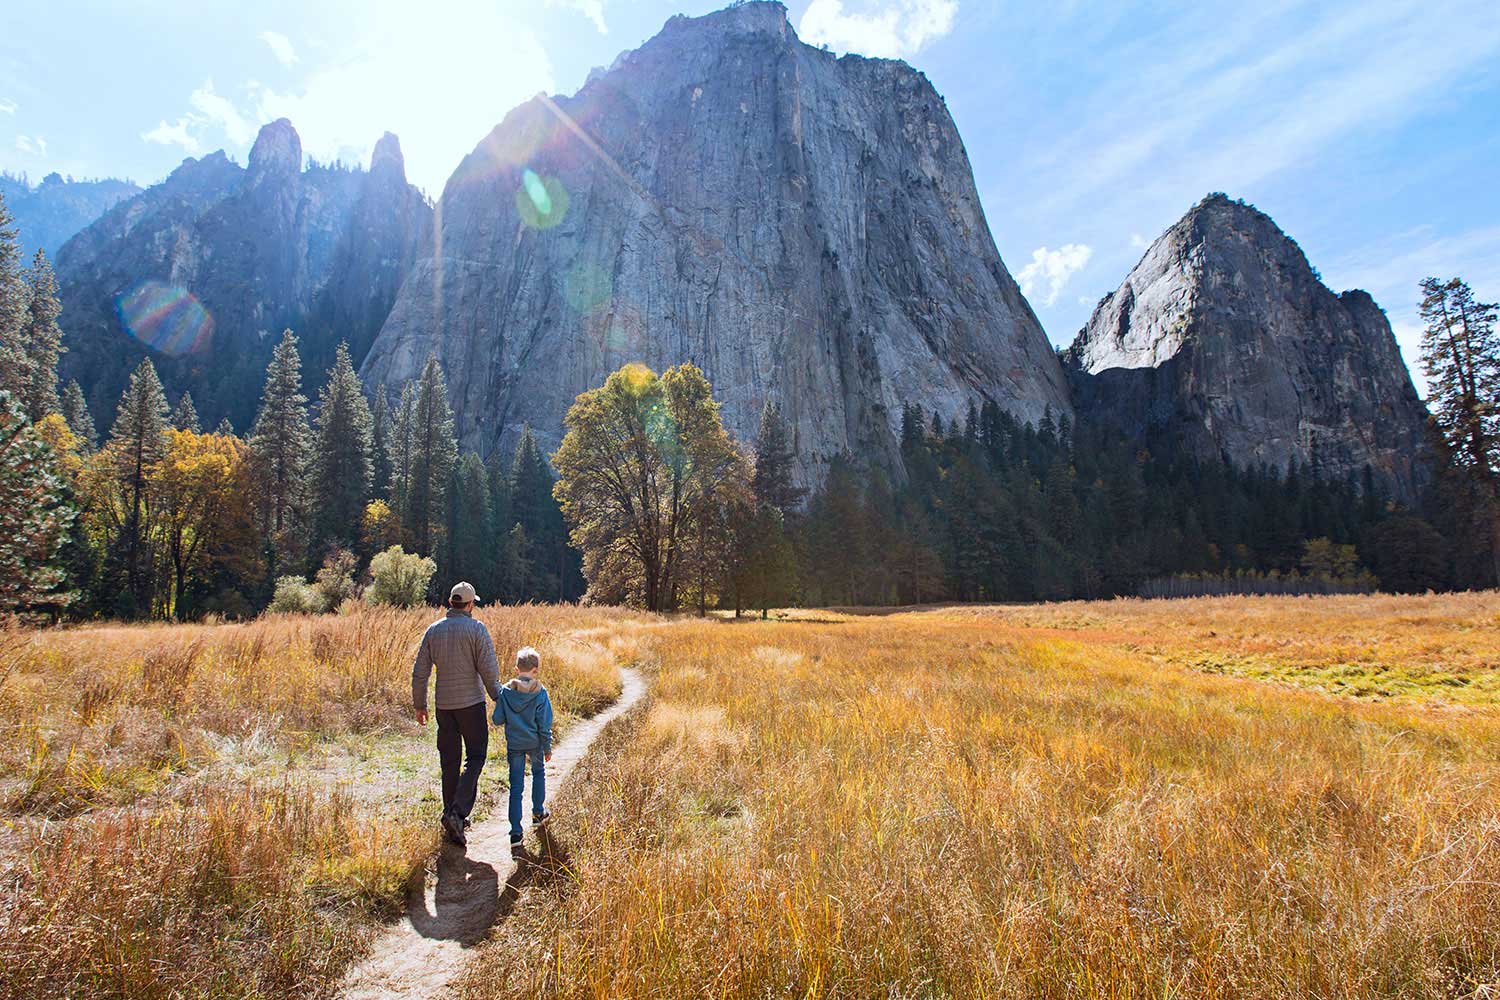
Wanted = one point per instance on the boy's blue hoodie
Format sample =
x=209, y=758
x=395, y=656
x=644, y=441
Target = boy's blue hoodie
x=526, y=712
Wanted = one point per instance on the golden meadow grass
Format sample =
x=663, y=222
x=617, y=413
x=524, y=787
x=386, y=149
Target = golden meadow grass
x=941, y=804
x=1071, y=800
x=227, y=810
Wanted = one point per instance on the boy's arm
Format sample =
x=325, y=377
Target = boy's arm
x=544, y=724
x=421, y=670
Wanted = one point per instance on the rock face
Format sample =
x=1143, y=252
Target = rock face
x=1223, y=341
x=48, y=214
x=802, y=227
x=202, y=272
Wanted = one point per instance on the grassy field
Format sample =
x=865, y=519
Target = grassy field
x=1262, y=797
x=227, y=810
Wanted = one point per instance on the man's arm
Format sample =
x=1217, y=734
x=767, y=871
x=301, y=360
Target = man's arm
x=488, y=666
x=544, y=723
x=421, y=670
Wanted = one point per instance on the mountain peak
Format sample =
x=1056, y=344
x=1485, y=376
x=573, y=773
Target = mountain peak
x=387, y=158
x=277, y=149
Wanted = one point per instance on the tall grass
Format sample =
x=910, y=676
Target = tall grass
x=182, y=822
x=939, y=805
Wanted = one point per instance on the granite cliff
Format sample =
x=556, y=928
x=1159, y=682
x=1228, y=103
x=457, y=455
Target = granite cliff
x=802, y=227
x=202, y=271
x=1225, y=343
x=49, y=213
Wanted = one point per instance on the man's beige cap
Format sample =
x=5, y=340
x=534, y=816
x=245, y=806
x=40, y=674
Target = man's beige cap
x=464, y=592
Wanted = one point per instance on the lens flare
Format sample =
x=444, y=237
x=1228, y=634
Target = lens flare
x=164, y=317
x=587, y=287
x=541, y=201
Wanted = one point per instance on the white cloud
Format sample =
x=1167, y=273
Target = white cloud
x=591, y=9
x=281, y=47
x=173, y=135
x=211, y=115
x=31, y=144
x=8, y=107
x=1138, y=242
x=887, y=28
x=441, y=91
x=1054, y=267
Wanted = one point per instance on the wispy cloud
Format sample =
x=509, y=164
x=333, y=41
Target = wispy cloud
x=1322, y=81
x=1054, y=268
x=888, y=28
x=31, y=144
x=211, y=115
x=591, y=9
x=281, y=47
x=8, y=107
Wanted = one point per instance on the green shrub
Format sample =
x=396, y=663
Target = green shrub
x=295, y=595
x=400, y=578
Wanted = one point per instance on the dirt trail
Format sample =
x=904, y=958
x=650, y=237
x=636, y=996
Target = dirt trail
x=420, y=957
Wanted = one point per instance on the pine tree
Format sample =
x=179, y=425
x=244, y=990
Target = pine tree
x=185, y=415
x=225, y=428
x=279, y=440
x=433, y=453
x=534, y=508
x=342, y=462
x=399, y=489
x=42, y=340
x=380, y=442
x=472, y=548
x=774, y=460
x=1461, y=354
x=137, y=443
x=34, y=516
x=15, y=300
x=75, y=411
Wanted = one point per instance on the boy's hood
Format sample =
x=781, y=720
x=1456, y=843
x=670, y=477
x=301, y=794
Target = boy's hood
x=524, y=685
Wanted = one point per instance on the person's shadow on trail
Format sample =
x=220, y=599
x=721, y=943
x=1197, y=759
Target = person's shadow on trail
x=467, y=901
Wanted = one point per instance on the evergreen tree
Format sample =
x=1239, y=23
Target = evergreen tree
x=279, y=440
x=15, y=301
x=225, y=428
x=42, y=341
x=34, y=516
x=380, y=443
x=472, y=547
x=343, y=464
x=75, y=411
x=774, y=463
x=137, y=444
x=533, y=507
x=185, y=415
x=1461, y=355
x=433, y=453
x=399, y=489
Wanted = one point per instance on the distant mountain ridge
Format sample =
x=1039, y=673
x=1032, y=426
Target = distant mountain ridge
x=204, y=270
x=49, y=213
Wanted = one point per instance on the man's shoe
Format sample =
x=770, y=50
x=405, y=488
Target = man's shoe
x=541, y=818
x=453, y=828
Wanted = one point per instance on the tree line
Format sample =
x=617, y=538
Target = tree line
x=655, y=504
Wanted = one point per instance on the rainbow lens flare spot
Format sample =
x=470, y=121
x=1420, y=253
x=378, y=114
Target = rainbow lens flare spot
x=541, y=201
x=587, y=287
x=164, y=317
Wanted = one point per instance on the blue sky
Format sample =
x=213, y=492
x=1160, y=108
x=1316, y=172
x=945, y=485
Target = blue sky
x=1369, y=130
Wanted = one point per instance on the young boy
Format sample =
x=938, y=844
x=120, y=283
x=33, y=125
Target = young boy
x=526, y=712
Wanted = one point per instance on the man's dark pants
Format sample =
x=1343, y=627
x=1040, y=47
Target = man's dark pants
x=462, y=733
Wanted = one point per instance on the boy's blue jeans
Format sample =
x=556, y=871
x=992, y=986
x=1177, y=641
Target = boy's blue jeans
x=517, y=785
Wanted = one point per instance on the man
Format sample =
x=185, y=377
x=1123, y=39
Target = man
x=464, y=655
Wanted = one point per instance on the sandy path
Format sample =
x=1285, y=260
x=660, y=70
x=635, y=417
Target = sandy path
x=420, y=956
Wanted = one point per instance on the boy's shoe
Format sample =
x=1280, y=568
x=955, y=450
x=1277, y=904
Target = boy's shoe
x=515, y=843
x=541, y=818
x=453, y=829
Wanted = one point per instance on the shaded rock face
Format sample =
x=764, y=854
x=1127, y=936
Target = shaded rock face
x=802, y=227
x=203, y=271
x=48, y=214
x=1223, y=342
